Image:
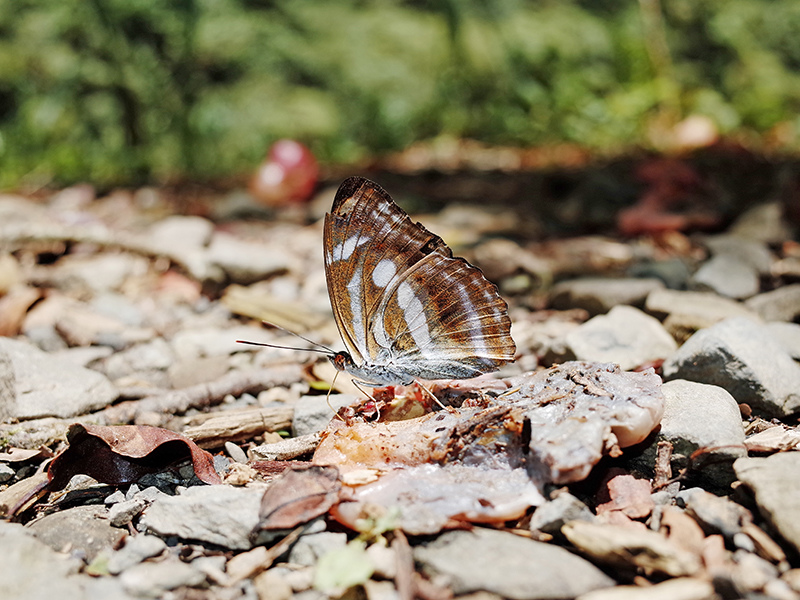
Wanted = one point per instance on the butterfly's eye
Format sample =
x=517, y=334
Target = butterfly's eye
x=341, y=360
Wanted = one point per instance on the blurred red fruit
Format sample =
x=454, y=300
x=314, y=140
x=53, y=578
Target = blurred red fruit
x=288, y=174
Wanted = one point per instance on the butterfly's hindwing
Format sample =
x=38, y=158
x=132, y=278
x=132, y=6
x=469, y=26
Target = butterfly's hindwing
x=405, y=307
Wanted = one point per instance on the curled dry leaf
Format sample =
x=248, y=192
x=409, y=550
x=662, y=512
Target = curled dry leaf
x=299, y=494
x=493, y=454
x=124, y=453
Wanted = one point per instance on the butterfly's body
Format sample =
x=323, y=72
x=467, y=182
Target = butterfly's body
x=406, y=308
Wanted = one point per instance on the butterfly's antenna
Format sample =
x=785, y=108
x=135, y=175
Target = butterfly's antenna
x=312, y=342
x=326, y=351
x=435, y=399
x=328, y=398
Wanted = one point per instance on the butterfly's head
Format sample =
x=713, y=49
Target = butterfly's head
x=341, y=360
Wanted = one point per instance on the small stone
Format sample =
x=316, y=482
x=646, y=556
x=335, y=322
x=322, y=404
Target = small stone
x=691, y=311
x=741, y=357
x=6, y=473
x=716, y=514
x=122, y=513
x=551, y=516
x=384, y=559
x=47, y=387
x=309, y=548
x=625, y=336
x=156, y=356
x=728, y=276
x=271, y=586
x=764, y=223
x=386, y=590
x=672, y=272
x=684, y=588
x=245, y=565
x=312, y=413
x=221, y=515
x=152, y=579
x=599, y=295
x=775, y=481
x=235, y=452
x=136, y=549
x=246, y=262
x=782, y=304
x=750, y=252
x=84, y=529
x=500, y=562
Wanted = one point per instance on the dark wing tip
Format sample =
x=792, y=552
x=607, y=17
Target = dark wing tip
x=354, y=185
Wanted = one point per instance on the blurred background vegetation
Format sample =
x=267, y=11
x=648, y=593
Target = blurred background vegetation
x=131, y=91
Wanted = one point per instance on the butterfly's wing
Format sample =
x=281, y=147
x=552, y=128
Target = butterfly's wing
x=400, y=298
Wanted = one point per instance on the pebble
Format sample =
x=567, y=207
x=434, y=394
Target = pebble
x=762, y=223
x=691, y=311
x=728, y=276
x=717, y=514
x=696, y=416
x=6, y=473
x=500, y=562
x=219, y=515
x=551, y=516
x=743, y=358
x=152, y=579
x=782, y=304
x=271, y=586
x=235, y=452
x=625, y=336
x=48, y=387
x=599, y=295
x=82, y=529
x=148, y=361
x=313, y=413
x=122, y=513
x=309, y=548
x=136, y=549
x=246, y=262
x=775, y=482
x=685, y=588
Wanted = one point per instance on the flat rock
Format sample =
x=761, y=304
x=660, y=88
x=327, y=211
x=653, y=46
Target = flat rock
x=782, y=304
x=728, y=276
x=716, y=514
x=244, y=261
x=309, y=548
x=763, y=223
x=84, y=529
x=218, y=514
x=136, y=549
x=501, y=563
x=31, y=570
x=599, y=295
x=551, y=516
x=152, y=579
x=48, y=387
x=625, y=336
x=741, y=357
x=685, y=588
x=153, y=357
x=746, y=250
x=775, y=481
x=193, y=343
x=313, y=413
x=691, y=311
x=698, y=415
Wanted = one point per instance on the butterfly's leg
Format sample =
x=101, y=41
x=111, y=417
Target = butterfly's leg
x=435, y=399
x=361, y=389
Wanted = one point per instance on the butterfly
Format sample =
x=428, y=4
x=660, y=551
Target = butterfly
x=406, y=308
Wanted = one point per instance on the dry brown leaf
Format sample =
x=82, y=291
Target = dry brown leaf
x=124, y=453
x=301, y=493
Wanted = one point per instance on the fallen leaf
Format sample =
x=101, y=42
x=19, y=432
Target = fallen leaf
x=124, y=453
x=299, y=494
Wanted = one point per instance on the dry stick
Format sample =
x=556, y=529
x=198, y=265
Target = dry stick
x=45, y=431
x=204, y=395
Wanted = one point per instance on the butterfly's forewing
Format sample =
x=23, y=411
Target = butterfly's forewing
x=399, y=298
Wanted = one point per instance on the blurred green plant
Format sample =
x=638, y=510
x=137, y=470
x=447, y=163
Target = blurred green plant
x=127, y=91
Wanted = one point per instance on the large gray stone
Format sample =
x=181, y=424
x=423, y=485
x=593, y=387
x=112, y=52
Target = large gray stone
x=775, y=481
x=625, y=336
x=782, y=304
x=218, y=514
x=49, y=387
x=82, y=529
x=505, y=564
x=704, y=416
x=741, y=357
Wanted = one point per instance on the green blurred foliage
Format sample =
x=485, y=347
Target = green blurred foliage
x=126, y=91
